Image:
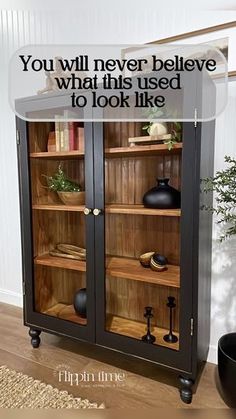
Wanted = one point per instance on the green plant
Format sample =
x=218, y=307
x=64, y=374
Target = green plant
x=176, y=127
x=59, y=182
x=176, y=134
x=151, y=113
x=224, y=184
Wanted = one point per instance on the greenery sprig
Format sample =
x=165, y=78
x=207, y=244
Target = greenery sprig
x=224, y=184
x=151, y=113
x=59, y=182
x=176, y=135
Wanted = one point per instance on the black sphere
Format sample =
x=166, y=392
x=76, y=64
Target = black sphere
x=160, y=259
x=80, y=302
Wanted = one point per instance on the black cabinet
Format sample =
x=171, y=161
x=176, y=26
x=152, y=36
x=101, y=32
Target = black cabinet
x=115, y=228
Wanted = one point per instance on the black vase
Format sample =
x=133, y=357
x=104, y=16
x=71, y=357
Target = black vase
x=80, y=302
x=162, y=196
x=227, y=368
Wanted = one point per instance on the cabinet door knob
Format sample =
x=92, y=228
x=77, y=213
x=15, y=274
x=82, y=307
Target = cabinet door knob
x=87, y=211
x=96, y=211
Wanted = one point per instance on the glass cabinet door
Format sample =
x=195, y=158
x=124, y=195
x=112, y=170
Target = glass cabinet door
x=142, y=280
x=62, y=235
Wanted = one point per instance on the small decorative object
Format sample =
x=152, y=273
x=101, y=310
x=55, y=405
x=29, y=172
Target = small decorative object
x=145, y=259
x=148, y=338
x=80, y=302
x=51, y=76
x=162, y=196
x=51, y=84
x=152, y=114
x=68, y=191
x=158, y=262
x=171, y=338
x=69, y=251
x=158, y=128
x=154, y=128
x=51, y=147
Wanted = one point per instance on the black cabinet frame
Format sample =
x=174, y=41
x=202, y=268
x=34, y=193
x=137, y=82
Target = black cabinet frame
x=197, y=163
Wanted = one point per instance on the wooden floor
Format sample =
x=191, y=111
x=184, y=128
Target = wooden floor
x=140, y=387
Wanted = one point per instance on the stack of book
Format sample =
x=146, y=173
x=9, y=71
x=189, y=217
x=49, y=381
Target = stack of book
x=149, y=140
x=69, y=136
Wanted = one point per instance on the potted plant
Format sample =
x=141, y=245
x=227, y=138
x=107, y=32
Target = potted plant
x=68, y=191
x=224, y=184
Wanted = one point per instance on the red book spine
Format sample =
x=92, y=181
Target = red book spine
x=72, y=136
x=77, y=140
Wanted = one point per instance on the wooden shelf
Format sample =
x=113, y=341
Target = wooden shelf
x=136, y=329
x=142, y=150
x=58, y=207
x=65, y=312
x=132, y=269
x=140, y=210
x=58, y=155
x=118, y=267
x=112, y=209
x=58, y=262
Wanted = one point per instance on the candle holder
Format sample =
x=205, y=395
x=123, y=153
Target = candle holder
x=148, y=338
x=171, y=338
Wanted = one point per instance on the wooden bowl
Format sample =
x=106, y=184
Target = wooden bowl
x=145, y=259
x=72, y=198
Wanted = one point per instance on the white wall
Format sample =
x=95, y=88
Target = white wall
x=103, y=22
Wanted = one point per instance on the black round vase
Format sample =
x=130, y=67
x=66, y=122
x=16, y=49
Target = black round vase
x=162, y=196
x=227, y=368
x=80, y=302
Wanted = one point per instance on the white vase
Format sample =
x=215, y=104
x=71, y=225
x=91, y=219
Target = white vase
x=158, y=128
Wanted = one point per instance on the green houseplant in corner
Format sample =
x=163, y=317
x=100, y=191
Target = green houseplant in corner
x=224, y=185
x=68, y=191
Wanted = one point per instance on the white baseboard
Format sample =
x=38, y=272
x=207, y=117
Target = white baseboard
x=212, y=355
x=10, y=297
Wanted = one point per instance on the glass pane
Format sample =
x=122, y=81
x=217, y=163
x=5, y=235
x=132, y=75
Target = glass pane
x=58, y=198
x=142, y=300
x=55, y=289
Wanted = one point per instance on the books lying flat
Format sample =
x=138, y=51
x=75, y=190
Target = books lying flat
x=149, y=139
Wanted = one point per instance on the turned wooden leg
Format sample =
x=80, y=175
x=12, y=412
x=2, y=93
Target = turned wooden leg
x=186, y=392
x=35, y=339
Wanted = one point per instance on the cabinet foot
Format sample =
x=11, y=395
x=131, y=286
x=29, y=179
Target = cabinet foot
x=186, y=392
x=35, y=339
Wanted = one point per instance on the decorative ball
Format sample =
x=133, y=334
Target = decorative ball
x=160, y=259
x=145, y=259
x=80, y=302
x=158, y=262
x=158, y=128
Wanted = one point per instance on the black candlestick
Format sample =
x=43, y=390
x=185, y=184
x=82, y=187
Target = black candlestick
x=148, y=338
x=171, y=338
